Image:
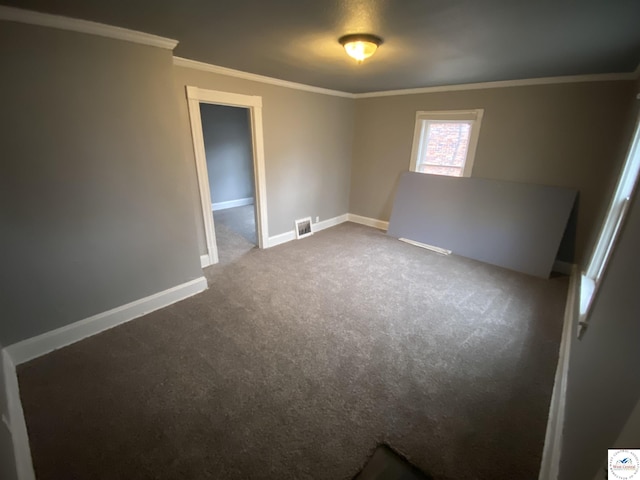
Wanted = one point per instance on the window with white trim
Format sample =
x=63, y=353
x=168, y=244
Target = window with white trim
x=444, y=143
x=592, y=276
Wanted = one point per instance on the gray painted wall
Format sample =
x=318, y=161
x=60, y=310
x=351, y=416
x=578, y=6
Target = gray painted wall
x=568, y=135
x=603, y=385
x=227, y=143
x=307, y=141
x=95, y=189
x=603, y=382
x=630, y=433
x=7, y=459
x=629, y=438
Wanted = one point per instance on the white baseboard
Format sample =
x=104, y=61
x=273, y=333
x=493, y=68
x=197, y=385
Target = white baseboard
x=315, y=227
x=14, y=420
x=31, y=348
x=551, y=453
x=370, y=222
x=562, y=267
x=330, y=222
x=205, y=261
x=241, y=202
x=47, y=342
x=282, y=238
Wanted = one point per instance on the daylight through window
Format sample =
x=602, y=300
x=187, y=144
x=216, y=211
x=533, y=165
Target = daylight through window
x=445, y=142
x=592, y=275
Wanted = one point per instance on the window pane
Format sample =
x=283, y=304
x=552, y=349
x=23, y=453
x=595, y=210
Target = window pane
x=441, y=170
x=591, y=278
x=447, y=145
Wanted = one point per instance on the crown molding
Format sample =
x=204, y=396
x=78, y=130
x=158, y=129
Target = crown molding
x=207, y=67
x=602, y=77
x=12, y=14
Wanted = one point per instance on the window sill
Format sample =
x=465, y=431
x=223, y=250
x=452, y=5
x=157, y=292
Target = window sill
x=587, y=291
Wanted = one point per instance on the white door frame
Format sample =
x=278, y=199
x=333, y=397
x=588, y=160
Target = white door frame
x=196, y=96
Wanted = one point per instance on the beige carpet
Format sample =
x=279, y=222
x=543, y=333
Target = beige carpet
x=240, y=220
x=299, y=360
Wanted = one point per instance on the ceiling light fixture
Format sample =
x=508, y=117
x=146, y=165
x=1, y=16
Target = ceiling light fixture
x=360, y=45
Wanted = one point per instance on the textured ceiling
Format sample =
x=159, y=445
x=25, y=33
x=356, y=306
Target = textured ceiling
x=426, y=42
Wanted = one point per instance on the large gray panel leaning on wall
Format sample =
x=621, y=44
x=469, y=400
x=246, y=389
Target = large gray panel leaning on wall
x=512, y=225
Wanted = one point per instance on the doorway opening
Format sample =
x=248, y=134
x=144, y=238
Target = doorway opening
x=227, y=145
x=219, y=176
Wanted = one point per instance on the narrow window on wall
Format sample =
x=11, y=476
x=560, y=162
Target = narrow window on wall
x=444, y=143
x=592, y=276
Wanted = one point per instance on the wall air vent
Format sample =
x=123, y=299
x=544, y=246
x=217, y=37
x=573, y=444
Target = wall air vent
x=303, y=227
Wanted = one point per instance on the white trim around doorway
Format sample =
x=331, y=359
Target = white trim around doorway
x=196, y=96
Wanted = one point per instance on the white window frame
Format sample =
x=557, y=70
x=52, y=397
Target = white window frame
x=616, y=214
x=450, y=116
